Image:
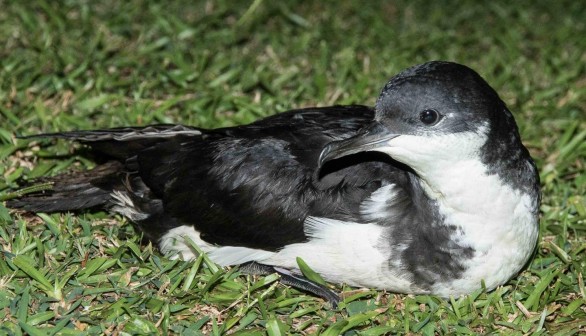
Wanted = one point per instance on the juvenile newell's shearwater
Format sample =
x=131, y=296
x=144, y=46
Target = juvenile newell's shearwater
x=430, y=192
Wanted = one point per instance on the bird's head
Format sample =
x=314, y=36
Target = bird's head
x=433, y=112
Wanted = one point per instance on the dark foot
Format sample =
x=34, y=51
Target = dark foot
x=293, y=280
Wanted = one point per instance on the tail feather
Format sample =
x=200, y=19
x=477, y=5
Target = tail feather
x=122, y=133
x=74, y=191
x=92, y=189
x=134, y=139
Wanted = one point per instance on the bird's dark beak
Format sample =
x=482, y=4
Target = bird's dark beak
x=370, y=138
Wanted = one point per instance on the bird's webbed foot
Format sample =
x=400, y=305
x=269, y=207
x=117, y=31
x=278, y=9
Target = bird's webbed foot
x=294, y=280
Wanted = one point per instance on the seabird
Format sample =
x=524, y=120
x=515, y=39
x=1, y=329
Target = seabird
x=429, y=192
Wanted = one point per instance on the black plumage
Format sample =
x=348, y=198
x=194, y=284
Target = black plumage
x=256, y=186
x=260, y=180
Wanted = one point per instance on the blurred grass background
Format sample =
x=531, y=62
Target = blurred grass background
x=89, y=64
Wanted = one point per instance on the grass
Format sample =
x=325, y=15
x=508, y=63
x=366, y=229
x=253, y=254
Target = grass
x=87, y=64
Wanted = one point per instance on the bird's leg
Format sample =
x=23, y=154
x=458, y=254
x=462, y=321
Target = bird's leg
x=293, y=280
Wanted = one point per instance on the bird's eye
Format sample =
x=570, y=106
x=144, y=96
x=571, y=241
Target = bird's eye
x=429, y=117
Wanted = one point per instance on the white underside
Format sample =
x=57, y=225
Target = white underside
x=339, y=251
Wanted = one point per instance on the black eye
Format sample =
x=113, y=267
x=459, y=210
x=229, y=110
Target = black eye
x=429, y=117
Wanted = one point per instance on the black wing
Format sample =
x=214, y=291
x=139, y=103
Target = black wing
x=254, y=185
x=251, y=185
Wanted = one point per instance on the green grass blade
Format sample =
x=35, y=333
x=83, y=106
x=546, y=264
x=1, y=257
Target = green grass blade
x=533, y=299
x=309, y=273
x=27, y=266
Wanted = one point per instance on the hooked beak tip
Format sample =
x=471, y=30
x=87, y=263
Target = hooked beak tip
x=324, y=156
x=371, y=138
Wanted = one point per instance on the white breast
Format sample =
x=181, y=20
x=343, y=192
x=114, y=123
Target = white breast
x=497, y=221
x=499, y=224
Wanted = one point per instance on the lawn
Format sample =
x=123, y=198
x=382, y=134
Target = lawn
x=91, y=64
